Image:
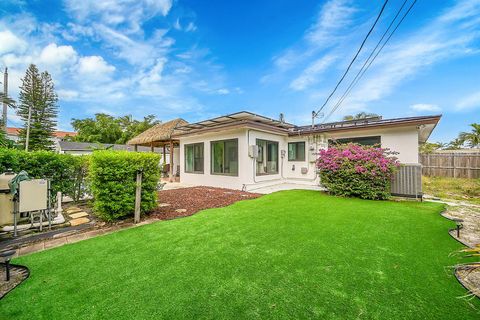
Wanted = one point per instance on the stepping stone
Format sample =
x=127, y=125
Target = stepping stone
x=78, y=215
x=72, y=210
x=181, y=210
x=76, y=222
x=161, y=205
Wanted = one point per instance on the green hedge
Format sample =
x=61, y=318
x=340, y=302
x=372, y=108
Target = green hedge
x=112, y=181
x=66, y=172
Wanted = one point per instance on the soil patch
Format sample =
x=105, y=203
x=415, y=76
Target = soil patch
x=17, y=275
x=470, y=233
x=195, y=199
x=469, y=276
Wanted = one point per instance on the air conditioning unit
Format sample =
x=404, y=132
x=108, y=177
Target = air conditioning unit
x=253, y=151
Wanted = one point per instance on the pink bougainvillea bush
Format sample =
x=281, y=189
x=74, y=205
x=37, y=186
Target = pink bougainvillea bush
x=357, y=171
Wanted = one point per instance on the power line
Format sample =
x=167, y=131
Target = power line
x=314, y=114
x=364, y=69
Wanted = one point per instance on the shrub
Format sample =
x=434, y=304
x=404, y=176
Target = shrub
x=112, y=181
x=357, y=171
x=66, y=172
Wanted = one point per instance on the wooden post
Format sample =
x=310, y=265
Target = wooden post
x=152, y=148
x=138, y=196
x=171, y=161
x=135, y=147
x=164, y=154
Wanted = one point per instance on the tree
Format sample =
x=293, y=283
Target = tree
x=429, y=147
x=471, y=139
x=359, y=116
x=105, y=128
x=38, y=92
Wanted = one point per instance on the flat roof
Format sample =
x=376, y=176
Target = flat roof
x=232, y=119
x=249, y=119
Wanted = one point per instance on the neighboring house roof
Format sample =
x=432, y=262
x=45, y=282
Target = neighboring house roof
x=248, y=119
x=158, y=133
x=58, y=134
x=88, y=146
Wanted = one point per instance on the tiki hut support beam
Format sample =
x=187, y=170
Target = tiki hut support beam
x=164, y=153
x=152, y=148
x=135, y=147
x=171, y=160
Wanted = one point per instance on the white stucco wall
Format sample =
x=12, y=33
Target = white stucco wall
x=402, y=140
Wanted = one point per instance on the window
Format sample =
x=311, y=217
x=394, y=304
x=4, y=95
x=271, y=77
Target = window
x=296, y=151
x=194, y=158
x=267, y=161
x=224, y=157
x=364, y=141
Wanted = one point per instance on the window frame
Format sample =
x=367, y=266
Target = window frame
x=296, y=149
x=332, y=142
x=193, y=164
x=212, y=172
x=265, y=155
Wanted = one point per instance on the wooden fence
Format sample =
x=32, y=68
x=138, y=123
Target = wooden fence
x=456, y=165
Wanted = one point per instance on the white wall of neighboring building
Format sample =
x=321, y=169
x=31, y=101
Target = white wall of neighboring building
x=402, y=140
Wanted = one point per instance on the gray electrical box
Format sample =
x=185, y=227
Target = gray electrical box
x=33, y=195
x=253, y=151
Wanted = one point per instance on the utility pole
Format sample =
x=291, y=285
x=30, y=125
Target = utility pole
x=28, y=126
x=5, y=94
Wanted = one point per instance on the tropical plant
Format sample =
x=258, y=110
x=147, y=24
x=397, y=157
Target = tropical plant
x=353, y=170
x=37, y=93
x=430, y=147
x=105, y=128
x=359, y=116
x=472, y=138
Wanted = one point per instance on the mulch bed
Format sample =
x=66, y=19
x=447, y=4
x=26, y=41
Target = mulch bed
x=196, y=199
x=17, y=275
x=469, y=277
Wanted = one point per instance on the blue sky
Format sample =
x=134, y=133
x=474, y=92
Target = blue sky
x=199, y=59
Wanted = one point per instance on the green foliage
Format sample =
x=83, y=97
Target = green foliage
x=66, y=172
x=105, y=128
x=112, y=180
x=359, y=116
x=430, y=147
x=37, y=91
x=472, y=138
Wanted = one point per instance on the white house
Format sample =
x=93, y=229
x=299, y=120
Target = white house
x=247, y=151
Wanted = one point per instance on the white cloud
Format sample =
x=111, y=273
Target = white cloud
x=333, y=18
x=130, y=14
x=65, y=94
x=425, y=107
x=94, y=66
x=471, y=101
x=58, y=55
x=444, y=38
x=191, y=27
x=223, y=91
x=11, y=43
x=310, y=75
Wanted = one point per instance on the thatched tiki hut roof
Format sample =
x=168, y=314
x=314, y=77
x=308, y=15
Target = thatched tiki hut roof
x=158, y=135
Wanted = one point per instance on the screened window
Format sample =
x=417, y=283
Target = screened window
x=194, y=158
x=364, y=141
x=224, y=159
x=296, y=151
x=267, y=161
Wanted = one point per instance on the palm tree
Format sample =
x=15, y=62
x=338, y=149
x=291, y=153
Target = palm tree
x=359, y=116
x=471, y=139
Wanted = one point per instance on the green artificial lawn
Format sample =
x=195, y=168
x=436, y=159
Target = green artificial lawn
x=288, y=255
